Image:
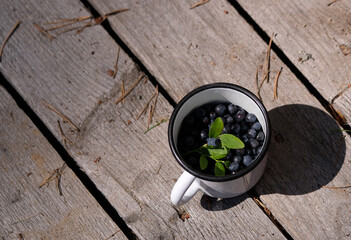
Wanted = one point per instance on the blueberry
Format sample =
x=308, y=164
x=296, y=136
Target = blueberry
x=239, y=117
x=200, y=112
x=203, y=134
x=247, y=160
x=257, y=126
x=234, y=166
x=232, y=109
x=213, y=115
x=229, y=120
x=223, y=120
x=189, y=141
x=248, y=151
x=241, y=111
x=259, y=149
x=244, y=127
x=251, y=118
x=235, y=128
x=254, y=151
x=226, y=128
x=240, y=151
x=260, y=136
x=230, y=155
x=214, y=142
x=205, y=120
x=238, y=159
x=244, y=138
x=251, y=133
x=253, y=143
x=220, y=109
x=189, y=121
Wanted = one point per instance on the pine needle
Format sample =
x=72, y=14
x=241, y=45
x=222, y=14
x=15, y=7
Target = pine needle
x=276, y=84
x=8, y=37
x=44, y=32
x=131, y=89
x=199, y=3
x=115, y=67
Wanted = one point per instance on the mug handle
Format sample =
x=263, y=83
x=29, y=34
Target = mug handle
x=184, y=189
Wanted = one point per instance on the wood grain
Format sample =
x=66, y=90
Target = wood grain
x=135, y=171
x=41, y=213
x=186, y=48
x=312, y=27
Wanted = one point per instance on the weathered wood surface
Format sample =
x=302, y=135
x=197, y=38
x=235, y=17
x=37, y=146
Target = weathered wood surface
x=136, y=171
x=42, y=213
x=186, y=48
x=320, y=28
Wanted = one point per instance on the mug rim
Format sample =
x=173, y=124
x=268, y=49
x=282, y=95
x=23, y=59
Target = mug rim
x=214, y=178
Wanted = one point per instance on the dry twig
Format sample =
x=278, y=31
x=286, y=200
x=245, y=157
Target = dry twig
x=44, y=32
x=267, y=60
x=331, y=2
x=131, y=89
x=50, y=107
x=64, y=138
x=146, y=105
x=8, y=37
x=122, y=91
x=153, y=108
x=199, y=3
x=115, y=67
x=340, y=93
x=257, y=85
x=276, y=84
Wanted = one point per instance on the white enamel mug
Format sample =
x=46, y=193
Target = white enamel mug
x=191, y=181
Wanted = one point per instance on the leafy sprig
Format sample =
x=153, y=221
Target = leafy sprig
x=220, y=151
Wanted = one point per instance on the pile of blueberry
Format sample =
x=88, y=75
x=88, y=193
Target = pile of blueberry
x=195, y=129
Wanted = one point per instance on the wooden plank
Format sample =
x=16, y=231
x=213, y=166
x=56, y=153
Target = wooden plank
x=41, y=213
x=135, y=171
x=186, y=48
x=319, y=28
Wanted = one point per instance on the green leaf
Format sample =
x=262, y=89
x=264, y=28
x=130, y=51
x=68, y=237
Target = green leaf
x=227, y=163
x=218, y=151
x=216, y=128
x=203, y=162
x=219, y=169
x=232, y=142
x=218, y=156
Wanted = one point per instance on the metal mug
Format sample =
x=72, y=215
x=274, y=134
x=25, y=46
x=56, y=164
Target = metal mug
x=191, y=181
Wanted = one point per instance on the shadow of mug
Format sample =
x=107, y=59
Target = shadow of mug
x=307, y=150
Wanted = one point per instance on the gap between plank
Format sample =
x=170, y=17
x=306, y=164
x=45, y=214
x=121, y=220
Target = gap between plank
x=107, y=26
x=83, y=177
x=281, y=55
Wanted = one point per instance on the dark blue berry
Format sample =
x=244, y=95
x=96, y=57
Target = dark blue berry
x=234, y=166
x=236, y=128
x=241, y=111
x=214, y=142
x=251, y=133
x=203, y=134
x=213, y=115
x=220, y=109
x=247, y=160
x=251, y=118
x=232, y=109
x=239, y=117
x=240, y=151
x=259, y=149
x=260, y=136
x=248, y=151
x=226, y=129
x=257, y=126
x=229, y=155
x=200, y=112
x=238, y=159
x=229, y=120
x=254, y=143
x=244, y=127
x=223, y=120
x=244, y=138
x=206, y=121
